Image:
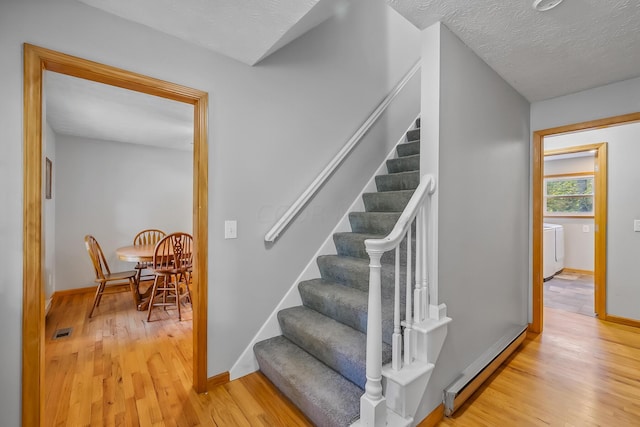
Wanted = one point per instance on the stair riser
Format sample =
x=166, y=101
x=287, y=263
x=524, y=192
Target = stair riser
x=408, y=149
x=398, y=182
x=353, y=246
x=404, y=164
x=373, y=222
x=413, y=134
x=394, y=201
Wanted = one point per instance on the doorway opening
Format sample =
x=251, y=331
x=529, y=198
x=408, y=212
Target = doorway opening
x=573, y=197
x=600, y=215
x=36, y=61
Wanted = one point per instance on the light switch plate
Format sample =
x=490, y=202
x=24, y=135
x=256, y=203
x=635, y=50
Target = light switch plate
x=636, y=225
x=585, y=228
x=231, y=229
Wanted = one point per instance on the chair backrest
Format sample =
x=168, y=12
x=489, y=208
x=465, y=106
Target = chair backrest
x=174, y=252
x=150, y=236
x=97, y=257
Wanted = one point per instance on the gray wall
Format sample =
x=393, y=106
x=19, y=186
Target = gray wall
x=483, y=209
x=272, y=128
x=112, y=190
x=49, y=212
x=623, y=207
x=606, y=101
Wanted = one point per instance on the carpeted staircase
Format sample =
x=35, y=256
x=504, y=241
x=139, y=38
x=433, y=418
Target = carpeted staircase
x=319, y=360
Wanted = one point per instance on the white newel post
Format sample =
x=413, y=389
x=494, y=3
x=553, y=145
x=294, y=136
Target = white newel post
x=373, y=406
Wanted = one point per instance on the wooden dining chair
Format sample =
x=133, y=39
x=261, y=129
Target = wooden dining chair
x=172, y=265
x=104, y=276
x=150, y=236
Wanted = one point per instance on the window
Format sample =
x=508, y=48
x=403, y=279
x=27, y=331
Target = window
x=568, y=195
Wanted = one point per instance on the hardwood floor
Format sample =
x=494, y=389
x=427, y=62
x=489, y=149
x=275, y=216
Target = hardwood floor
x=579, y=372
x=119, y=370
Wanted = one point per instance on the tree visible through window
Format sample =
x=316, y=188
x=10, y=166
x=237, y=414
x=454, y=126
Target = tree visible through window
x=569, y=195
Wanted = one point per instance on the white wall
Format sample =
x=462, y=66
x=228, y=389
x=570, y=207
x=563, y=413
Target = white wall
x=579, y=244
x=112, y=190
x=623, y=207
x=272, y=128
x=483, y=208
x=561, y=166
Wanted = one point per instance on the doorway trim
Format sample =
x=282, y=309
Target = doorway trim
x=36, y=61
x=537, y=321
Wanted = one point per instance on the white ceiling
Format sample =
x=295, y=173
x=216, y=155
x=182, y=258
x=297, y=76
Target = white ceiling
x=579, y=45
x=84, y=108
x=246, y=30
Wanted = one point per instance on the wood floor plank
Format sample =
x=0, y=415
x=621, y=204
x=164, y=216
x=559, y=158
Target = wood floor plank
x=580, y=372
x=117, y=369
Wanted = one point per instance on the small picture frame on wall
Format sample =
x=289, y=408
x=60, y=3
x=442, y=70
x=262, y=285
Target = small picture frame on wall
x=48, y=170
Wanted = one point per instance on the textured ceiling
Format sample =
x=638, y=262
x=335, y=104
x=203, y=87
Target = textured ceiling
x=84, y=108
x=579, y=45
x=246, y=30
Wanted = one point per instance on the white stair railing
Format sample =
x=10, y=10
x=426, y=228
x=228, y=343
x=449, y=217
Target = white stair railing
x=418, y=299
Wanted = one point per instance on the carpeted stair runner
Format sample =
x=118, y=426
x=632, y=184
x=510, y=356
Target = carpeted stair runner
x=319, y=360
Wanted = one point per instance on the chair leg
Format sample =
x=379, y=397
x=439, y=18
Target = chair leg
x=177, y=290
x=134, y=291
x=96, y=299
x=152, y=296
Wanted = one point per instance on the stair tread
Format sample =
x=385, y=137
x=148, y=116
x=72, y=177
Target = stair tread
x=325, y=396
x=389, y=193
x=346, y=304
x=354, y=272
x=358, y=236
x=405, y=158
x=339, y=346
x=352, y=244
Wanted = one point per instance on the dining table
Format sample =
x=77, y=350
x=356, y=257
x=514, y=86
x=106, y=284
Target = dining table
x=138, y=254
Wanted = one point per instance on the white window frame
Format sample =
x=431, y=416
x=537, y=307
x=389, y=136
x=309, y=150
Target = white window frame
x=569, y=177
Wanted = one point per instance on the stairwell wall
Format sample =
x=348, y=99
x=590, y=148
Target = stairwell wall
x=272, y=128
x=483, y=202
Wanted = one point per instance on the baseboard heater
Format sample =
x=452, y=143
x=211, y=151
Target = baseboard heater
x=481, y=369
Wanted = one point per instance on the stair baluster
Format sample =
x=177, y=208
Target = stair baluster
x=409, y=338
x=373, y=406
x=396, y=343
x=371, y=403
